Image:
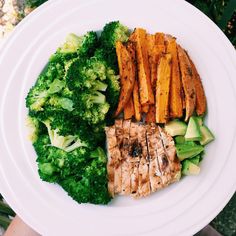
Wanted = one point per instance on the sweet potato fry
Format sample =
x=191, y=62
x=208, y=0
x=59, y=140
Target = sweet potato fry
x=145, y=108
x=187, y=81
x=127, y=76
x=201, y=103
x=129, y=109
x=137, y=105
x=183, y=96
x=175, y=103
x=162, y=88
x=152, y=57
x=151, y=115
x=145, y=88
x=159, y=49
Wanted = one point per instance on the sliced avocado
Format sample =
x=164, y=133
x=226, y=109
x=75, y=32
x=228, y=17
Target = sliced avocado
x=179, y=139
x=189, y=168
x=193, y=130
x=176, y=127
x=199, y=120
x=195, y=160
x=188, y=151
x=207, y=135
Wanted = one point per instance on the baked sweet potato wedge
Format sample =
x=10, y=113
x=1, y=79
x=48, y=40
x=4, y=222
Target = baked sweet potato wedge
x=152, y=57
x=137, y=105
x=159, y=49
x=127, y=76
x=155, y=51
x=201, y=103
x=175, y=103
x=163, y=88
x=145, y=89
x=129, y=109
x=145, y=108
x=187, y=81
x=151, y=115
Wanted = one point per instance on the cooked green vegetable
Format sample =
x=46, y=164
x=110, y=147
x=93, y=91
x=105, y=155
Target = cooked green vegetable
x=68, y=107
x=112, y=32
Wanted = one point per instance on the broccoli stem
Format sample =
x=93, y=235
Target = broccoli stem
x=98, y=98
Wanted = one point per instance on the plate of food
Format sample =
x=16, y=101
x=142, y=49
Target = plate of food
x=117, y=118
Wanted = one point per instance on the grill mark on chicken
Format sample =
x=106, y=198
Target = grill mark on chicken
x=154, y=169
x=141, y=159
x=113, y=152
x=125, y=156
x=135, y=152
x=144, y=182
x=169, y=147
x=118, y=167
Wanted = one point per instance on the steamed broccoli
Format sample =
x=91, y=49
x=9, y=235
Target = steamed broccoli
x=69, y=106
x=113, y=91
x=112, y=32
x=84, y=45
x=88, y=74
x=39, y=94
x=61, y=102
x=92, y=185
x=67, y=143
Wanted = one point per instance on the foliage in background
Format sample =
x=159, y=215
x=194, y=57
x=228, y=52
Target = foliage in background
x=222, y=12
x=225, y=222
x=34, y=3
x=6, y=213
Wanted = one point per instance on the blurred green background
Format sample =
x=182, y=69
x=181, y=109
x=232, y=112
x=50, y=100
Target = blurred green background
x=223, y=13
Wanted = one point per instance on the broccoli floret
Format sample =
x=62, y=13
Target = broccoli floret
x=113, y=91
x=60, y=102
x=39, y=94
x=54, y=163
x=112, y=32
x=71, y=44
x=91, y=107
x=92, y=186
x=96, y=115
x=89, y=98
x=86, y=74
x=89, y=44
x=69, y=106
x=67, y=143
x=62, y=58
x=42, y=144
x=84, y=45
x=33, y=126
x=64, y=122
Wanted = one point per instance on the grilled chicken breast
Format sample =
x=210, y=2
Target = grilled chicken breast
x=141, y=159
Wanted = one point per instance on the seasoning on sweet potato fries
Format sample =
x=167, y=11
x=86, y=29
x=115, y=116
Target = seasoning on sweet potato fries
x=162, y=80
x=127, y=76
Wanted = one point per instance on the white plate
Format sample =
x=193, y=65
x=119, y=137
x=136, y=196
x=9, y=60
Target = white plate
x=181, y=209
